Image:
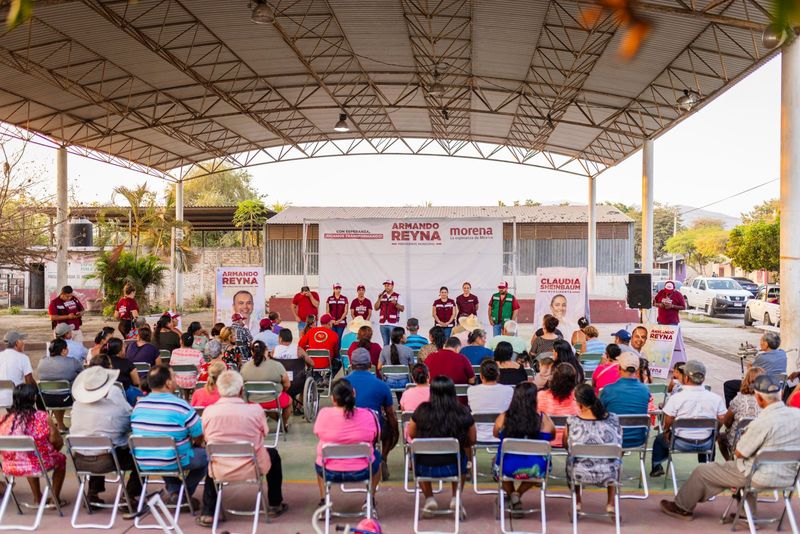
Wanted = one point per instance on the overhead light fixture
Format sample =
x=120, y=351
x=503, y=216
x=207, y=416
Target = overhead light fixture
x=436, y=88
x=688, y=100
x=262, y=13
x=445, y=114
x=774, y=36
x=342, y=126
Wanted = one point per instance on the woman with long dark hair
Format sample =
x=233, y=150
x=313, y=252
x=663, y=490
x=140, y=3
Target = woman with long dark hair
x=165, y=337
x=364, y=341
x=442, y=417
x=100, y=341
x=593, y=425
x=437, y=341
x=396, y=353
x=344, y=424
x=562, y=353
x=559, y=398
x=23, y=419
x=262, y=368
x=511, y=372
x=128, y=376
x=201, y=335
x=522, y=420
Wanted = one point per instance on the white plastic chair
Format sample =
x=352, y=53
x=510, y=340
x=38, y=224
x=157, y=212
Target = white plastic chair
x=523, y=447
x=436, y=446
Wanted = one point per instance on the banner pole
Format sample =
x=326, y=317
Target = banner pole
x=514, y=254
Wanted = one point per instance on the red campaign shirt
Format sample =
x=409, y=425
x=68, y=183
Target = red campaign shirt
x=669, y=316
x=451, y=364
x=320, y=337
x=374, y=352
x=467, y=305
x=444, y=310
x=65, y=307
x=337, y=308
x=361, y=307
x=125, y=307
x=304, y=306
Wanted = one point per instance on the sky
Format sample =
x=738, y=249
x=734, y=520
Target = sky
x=730, y=145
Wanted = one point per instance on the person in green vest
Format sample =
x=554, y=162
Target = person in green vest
x=502, y=307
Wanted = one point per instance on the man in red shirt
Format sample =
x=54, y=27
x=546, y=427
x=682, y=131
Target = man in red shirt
x=669, y=302
x=66, y=308
x=304, y=304
x=466, y=302
x=337, y=305
x=361, y=305
x=323, y=337
x=444, y=312
x=389, y=307
x=452, y=364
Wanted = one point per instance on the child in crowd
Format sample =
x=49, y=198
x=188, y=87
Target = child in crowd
x=275, y=317
x=542, y=378
x=674, y=385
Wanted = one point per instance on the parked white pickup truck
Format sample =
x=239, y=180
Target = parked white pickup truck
x=715, y=295
x=765, y=307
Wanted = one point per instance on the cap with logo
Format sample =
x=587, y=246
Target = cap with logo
x=63, y=328
x=628, y=362
x=695, y=369
x=769, y=384
x=237, y=317
x=360, y=356
x=325, y=319
x=502, y=285
x=388, y=281
x=337, y=285
x=11, y=338
x=265, y=324
x=623, y=334
x=360, y=287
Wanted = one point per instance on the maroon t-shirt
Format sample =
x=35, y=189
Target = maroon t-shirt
x=304, y=306
x=451, y=364
x=669, y=316
x=374, y=351
x=125, y=307
x=444, y=310
x=467, y=305
x=338, y=307
x=65, y=307
x=361, y=307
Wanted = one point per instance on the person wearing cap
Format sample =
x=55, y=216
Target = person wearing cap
x=693, y=401
x=126, y=310
x=361, y=305
x=388, y=306
x=622, y=338
x=770, y=357
x=304, y=303
x=57, y=366
x=444, y=311
x=466, y=302
x=266, y=335
x=76, y=350
x=100, y=410
x=414, y=341
x=336, y=306
x=244, y=338
x=323, y=337
x=669, y=302
x=777, y=427
x=15, y=365
x=66, y=308
x=503, y=307
x=627, y=396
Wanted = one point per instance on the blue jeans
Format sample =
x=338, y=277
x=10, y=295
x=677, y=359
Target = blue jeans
x=661, y=449
x=386, y=333
x=497, y=329
x=300, y=326
x=339, y=477
x=195, y=472
x=396, y=382
x=442, y=471
x=339, y=332
x=447, y=331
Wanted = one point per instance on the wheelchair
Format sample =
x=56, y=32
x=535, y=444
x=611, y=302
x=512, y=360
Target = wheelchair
x=302, y=389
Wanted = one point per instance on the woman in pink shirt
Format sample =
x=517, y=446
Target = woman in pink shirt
x=208, y=394
x=608, y=370
x=413, y=397
x=559, y=399
x=345, y=424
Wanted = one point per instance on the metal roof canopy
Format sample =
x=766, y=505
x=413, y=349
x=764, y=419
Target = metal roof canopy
x=164, y=86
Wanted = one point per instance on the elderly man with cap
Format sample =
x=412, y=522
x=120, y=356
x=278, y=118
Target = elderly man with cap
x=503, y=307
x=693, y=401
x=76, y=349
x=623, y=338
x=509, y=334
x=388, y=306
x=15, y=365
x=323, y=337
x=770, y=357
x=244, y=337
x=777, y=427
x=336, y=306
x=266, y=335
x=66, y=308
x=304, y=303
x=627, y=396
x=100, y=410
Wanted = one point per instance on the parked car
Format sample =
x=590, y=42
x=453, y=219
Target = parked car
x=747, y=284
x=715, y=295
x=766, y=307
x=658, y=286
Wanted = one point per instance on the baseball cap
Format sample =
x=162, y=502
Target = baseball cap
x=502, y=285
x=388, y=281
x=337, y=285
x=360, y=286
x=63, y=328
x=11, y=338
x=265, y=324
x=767, y=384
x=694, y=369
x=360, y=356
x=237, y=317
x=623, y=334
x=327, y=318
x=628, y=361
x=173, y=314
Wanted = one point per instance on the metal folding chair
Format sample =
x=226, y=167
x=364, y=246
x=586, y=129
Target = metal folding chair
x=259, y=392
x=54, y=388
x=186, y=370
x=157, y=456
x=95, y=446
x=436, y=446
x=243, y=451
x=6, y=386
x=523, y=447
x=773, y=459
x=659, y=392
x=697, y=423
x=590, y=361
x=490, y=446
x=560, y=423
x=396, y=371
x=596, y=452
x=25, y=445
x=322, y=367
x=355, y=451
x=461, y=390
x=405, y=418
x=142, y=367
x=164, y=354
x=632, y=423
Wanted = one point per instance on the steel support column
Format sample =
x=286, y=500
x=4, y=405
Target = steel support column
x=62, y=213
x=790, y=202
x=178, y=236
x=647, y=206
x=591, y=238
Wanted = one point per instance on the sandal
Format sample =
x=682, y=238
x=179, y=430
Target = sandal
x=276, y=511
x=205, y=520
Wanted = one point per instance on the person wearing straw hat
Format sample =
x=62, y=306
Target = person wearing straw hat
x=100, y=410
x=351, y=332
x=464, y=327
x=336, y=306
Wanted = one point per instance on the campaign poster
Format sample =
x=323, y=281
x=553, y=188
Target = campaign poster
x=561, y=292
x=240, y=290
x=659, y=348
x=80, y=271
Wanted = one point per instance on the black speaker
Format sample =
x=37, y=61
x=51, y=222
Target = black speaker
x=640, y=291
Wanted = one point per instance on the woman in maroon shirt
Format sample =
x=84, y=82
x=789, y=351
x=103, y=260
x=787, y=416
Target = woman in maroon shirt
x=467, y=303
x=444, y=312
x=126, y=310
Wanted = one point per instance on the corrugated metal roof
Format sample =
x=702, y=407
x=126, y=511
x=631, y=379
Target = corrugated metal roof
x=522, y=214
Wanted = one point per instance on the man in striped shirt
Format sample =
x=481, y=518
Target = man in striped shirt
x=162, y=414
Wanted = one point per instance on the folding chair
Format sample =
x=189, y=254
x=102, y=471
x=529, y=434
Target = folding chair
x=164, y=354
x=142, y=367
x=658, y=389
x=596, y=452
x=698, y=423
x=396, y=371
x=560, y=423
x=243, y=451
x=95, y=446
x=632, y=423
x=25, y=445
x=54, y=388
x=771, y=459
x=436, y=446
x=259, y=392
x=461, y=391
x=7, y=388
x=356, y=451
x=477, y=370
x=157, y=456
x=590, y=361
x=490, y=446
x=186, y=370
x=523, y=447
x=323, y=367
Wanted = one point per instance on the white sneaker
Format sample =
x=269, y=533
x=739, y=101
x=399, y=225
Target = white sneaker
x=463, y=513
x=430, y=507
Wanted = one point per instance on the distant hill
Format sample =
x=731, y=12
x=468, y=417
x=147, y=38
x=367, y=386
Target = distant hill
x=728, y=220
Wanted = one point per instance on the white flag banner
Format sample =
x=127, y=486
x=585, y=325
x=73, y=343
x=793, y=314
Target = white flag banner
x=659, y=348
x=561, y=292
x=420, y=255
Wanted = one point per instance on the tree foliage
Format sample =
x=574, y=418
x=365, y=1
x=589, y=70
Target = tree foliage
x=226, y=188
x=756, y=245
x=767, y=211
x=663, y=221
x=701, y=244
x=116, y=267
x=250, y=215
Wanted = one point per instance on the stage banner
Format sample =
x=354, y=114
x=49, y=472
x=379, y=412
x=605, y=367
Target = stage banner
x=240, y=290
x=420, y=255
x=659, y=348
x=561, y=291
